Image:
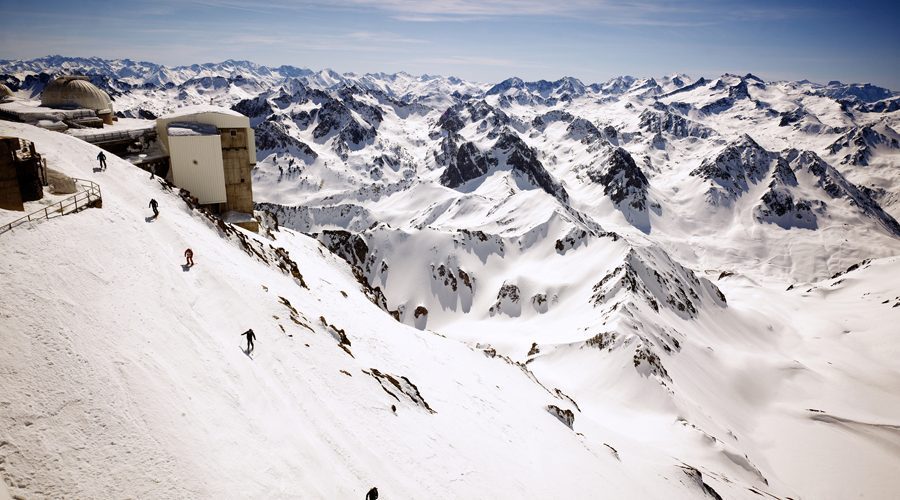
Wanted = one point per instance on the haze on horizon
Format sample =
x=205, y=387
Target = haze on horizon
x=479, y=40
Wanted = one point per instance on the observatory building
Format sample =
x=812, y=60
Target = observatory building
x=77, y=92
x=5, y=93
x=211, y=151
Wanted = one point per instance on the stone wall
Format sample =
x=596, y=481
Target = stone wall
x=21, y=173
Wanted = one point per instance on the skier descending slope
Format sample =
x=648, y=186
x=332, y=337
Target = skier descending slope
x=189, y=256
x=372, y=494
x=250, y=338
x=154, y=204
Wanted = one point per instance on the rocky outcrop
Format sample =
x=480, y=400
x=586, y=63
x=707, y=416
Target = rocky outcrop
x=622, y=180
x=272, y=136
x=860, y=143
x=665, y=121
x=651, y=277
x=565, y=416
x=734, y=169
x=398, y=386
x=524, y=160
x=469, y=164
x=458, y=116
x=778, y=204
x=836, y=186
x=508, y=301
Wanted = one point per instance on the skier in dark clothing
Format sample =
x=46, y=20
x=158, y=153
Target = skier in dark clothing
x=372, y=494
x=102, y=157
x=250, y=338
x=153, y=205
x=189, y=255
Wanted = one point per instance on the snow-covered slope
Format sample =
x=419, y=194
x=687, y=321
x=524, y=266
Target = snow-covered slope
x=656, y=254
x=124, y=374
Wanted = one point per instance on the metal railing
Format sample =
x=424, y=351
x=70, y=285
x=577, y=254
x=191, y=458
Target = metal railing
x=88, y=196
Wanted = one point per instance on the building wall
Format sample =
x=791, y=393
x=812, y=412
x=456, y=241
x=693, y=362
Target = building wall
x=219, y=119
x=236, y=159
x=197, y=166
x=10, y=197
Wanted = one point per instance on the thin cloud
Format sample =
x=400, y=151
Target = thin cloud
x=357, y=41
x=645, y=13
x=473, y=61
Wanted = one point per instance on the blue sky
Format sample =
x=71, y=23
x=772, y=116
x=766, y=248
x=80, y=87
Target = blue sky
x=482, y=40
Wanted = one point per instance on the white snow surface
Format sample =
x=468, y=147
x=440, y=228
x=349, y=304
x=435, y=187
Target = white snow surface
x=124, y=375
x=698, y=334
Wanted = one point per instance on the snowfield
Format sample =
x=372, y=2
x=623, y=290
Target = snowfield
x=663, y=288
x=124, y=374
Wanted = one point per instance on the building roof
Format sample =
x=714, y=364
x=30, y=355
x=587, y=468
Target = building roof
x=186, y=111
x=190, y=128
x=68, y=92
x=203, y=114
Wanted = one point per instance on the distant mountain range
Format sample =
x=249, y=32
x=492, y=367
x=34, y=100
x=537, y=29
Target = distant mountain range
x=638, y=218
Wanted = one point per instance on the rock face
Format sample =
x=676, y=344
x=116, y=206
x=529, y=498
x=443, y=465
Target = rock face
x=734, y=169
x=866, y=93
x=524, y=160
x=257, y=108
x=565, y=416
x=649, y=276
x=508, y=301
x=666, y=121
x=622, y=180
x=778, y=206
x=469, y=164
x=644, y=289
x=420, y=317
x=272, y=136
x=836, y=186
x=861, y=142
x=457, y=116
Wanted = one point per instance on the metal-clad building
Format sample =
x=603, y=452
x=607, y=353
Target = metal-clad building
x=211, y=151
x=196, y=164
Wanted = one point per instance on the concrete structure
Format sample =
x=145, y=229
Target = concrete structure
x=211, y=151
x=77, y=92
x=22, y=175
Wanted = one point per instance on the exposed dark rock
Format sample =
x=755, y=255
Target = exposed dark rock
x=671, y=284
x=565, y=416
x=861, y=141
x=718, y=106
x=697, y=478
x=524, y=160
x=602, y=340
x=646, y=361
x=470, y=164
x=622, y=180
x=741, y=163
x=671, y=123
x=272, y=136
x=395, y=386
x=258, y=107
x=507, y=301
x=837, y=186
